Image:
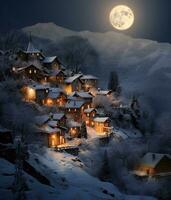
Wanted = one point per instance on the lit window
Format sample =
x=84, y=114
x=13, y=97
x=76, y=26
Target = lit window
x=75, y=110
x=88, y=114
x=47, y=90
x=69, y=109
x=30, y=71
x=35, y=71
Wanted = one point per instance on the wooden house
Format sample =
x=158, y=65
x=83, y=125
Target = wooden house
x=73, y=128
x=154, y=164
x=31, y=53
x=35, y=92
x=5, y=136
x=89, y=115
x=89, y=82
x=54, y=136
x=55, y=97
x=85, y=96
x=32, y=71
x=57, y=77
x=102, y=125
x=72, y=84
x=52, y=63
x=75, y=108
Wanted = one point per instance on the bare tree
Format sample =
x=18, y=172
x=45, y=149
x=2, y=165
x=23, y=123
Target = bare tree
x=77, y=53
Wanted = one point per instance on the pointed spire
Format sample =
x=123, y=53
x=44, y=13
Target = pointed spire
x=31, y=48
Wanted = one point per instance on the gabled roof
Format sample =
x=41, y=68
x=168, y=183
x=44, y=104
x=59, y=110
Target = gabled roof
x=72, y=123
x=50, y=130
x=74, y=104
x=89, y=110
x=73, y=78
x=31, y=48
x=152, y=159
x=39, y=86
x=82, y=94
x=40, y=120
x=48, y=60
x=52, y=123
x=55, y=72
x=101, y=119
x=89, y=77
x=58, y=116
x=53, y=95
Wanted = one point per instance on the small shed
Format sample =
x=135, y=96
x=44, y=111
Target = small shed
x=154, y=164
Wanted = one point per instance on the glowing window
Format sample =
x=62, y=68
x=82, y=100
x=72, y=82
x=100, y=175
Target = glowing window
x=30, y=71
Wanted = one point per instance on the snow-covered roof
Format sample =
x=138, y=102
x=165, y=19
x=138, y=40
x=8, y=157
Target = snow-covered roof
x=74, y=104
x=58, y=116
x=152, y=159
x=52, y=123
x=40, y=120
x=89, y=110
x=48, y=60
x=82, y=94
x=101, y=119
x=31, y=48
x=103, y=92
x=39, y=86
x=55, y=89
x=50, y=130
x=53, y=95
x=89, y=77
x=55, y=72
x=72, y=123
x=73, y=78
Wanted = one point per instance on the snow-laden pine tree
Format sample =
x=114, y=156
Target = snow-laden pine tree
x=113, y=83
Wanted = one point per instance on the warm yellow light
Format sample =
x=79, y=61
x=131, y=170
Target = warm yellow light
x=121, y=17
x=31, y=94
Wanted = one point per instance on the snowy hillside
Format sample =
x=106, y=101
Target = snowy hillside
x=143, y=65
x=67, y=178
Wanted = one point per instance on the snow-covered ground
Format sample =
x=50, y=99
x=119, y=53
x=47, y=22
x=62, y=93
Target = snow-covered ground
x=69, y=180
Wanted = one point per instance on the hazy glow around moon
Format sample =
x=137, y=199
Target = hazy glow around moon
x=121, y=17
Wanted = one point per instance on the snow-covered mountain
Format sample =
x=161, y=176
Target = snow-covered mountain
x=143, y=65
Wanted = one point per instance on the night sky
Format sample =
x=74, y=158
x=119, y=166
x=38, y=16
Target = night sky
x=152, y=17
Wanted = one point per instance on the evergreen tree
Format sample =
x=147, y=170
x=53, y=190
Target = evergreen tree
x=83, y=131
x=113, y=83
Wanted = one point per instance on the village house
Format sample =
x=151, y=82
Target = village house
x=102, y=125
x=89, y=82
x=73, y=128
x=31, y=53
x=55, y=97
x=51, y=63
x=75, y=108
x=5, y=136
x=47, y=128
x=56, y=77
x=154, y=164
x=35, y=92
x=72, y=84
x=54, y=136
x=85, y=96
x=89, y=115
x=32, y=71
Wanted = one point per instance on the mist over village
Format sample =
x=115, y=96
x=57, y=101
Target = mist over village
x=85, y=111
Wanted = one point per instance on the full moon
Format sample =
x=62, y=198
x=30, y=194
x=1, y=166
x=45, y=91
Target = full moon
x=121, y=17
